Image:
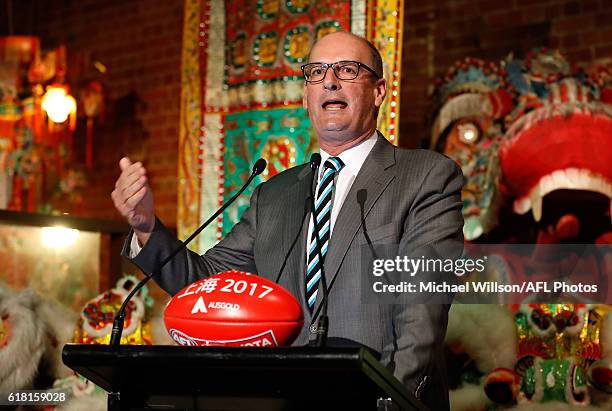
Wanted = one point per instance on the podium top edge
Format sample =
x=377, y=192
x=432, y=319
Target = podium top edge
x=77, y=354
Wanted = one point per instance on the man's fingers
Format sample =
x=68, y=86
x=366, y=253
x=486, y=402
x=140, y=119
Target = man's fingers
x=120, y=204
x=133, y=188
x=128, y=203
x=114, y=197
x=122, y=208
x=133, y=201
x=130, y=174
x=130, y=194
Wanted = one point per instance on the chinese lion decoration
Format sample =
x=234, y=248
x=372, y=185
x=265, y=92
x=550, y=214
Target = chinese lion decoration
x=96, y=320
x=94, y=326
x=34, y=329
x=533, y=139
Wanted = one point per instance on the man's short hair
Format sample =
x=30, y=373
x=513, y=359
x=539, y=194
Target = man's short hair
x=376, y=57
x=377, y=64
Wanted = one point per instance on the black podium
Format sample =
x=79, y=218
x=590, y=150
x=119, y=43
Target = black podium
x=223, y=379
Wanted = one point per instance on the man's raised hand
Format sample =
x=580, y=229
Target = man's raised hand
x=133, y=198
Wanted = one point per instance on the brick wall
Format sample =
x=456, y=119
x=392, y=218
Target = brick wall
x=437, y=33
x=140, y=44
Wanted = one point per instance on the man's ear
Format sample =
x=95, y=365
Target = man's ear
x=380, y=91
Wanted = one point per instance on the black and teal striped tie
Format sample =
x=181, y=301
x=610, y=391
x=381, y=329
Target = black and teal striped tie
x=322, y=223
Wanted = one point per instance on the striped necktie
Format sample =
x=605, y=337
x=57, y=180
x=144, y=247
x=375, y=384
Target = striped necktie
x=322, y=223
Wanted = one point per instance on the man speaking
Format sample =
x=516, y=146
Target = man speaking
x=367, y=191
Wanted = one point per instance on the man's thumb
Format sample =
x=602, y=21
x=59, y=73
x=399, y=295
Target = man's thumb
x=124, y=163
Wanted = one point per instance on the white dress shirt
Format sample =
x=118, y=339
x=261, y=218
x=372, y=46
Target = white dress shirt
x=353, y=159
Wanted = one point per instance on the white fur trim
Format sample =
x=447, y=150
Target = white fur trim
x=486, y=332
x=468, y=398
x=22, y=355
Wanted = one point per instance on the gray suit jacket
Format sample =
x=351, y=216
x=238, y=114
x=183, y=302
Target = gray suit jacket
x=409, y=197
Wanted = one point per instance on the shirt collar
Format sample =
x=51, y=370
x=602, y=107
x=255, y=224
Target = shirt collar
x=354, y=157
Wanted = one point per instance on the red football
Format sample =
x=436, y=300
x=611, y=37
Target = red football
x=234, y=309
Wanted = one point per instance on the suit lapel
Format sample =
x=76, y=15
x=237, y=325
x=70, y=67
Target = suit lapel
x=373, y=177
x=295, y=225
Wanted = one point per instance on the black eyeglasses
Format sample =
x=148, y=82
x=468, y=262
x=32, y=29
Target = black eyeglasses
x=344, y=70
